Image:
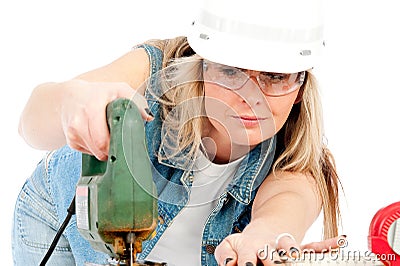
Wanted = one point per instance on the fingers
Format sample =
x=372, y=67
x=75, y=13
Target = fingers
x=324, y=245
x=88, y=140
x=234, y=250
x=286, y=245
x=79, y=148
x=288, y=248
x=141, y=102
x=87, y=133
x=125, y=91
x=248, y=259
x=225, y=253
x=99, y=137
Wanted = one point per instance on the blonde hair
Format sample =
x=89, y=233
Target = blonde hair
x=305, y=151
x=303, y=147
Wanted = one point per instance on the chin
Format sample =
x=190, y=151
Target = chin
x=249, y=139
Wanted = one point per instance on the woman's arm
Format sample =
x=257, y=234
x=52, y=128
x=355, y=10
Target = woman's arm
x=293, y=198
x=73, y=112
x=285, y=203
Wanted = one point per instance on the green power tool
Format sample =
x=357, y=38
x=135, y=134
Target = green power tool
x=116, y=204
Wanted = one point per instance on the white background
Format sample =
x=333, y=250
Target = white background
x=56, y=40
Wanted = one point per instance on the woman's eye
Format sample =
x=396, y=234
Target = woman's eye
x=229, y=71
x=274, y=77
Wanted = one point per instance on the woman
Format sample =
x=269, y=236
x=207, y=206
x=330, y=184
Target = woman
x=241, y=131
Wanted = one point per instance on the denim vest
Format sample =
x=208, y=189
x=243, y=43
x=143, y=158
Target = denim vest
x=231, y=214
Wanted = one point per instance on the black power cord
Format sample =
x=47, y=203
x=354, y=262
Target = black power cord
x=71, y=211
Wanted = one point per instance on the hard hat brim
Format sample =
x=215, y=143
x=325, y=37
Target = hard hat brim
x=254, y=54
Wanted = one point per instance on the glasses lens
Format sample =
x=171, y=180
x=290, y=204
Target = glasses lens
x=229, y=77
x=276, y=84
x=273, y=84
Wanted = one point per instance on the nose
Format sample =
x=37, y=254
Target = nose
x=251, y=92
x=253, y=75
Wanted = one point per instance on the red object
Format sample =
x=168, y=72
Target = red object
x=378, y=234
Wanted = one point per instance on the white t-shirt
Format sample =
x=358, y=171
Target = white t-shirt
x=181, y=242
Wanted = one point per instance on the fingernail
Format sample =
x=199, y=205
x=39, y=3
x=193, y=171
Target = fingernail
x=249, y=264
x=148, y=111
x=227, y=260
x=294, y=252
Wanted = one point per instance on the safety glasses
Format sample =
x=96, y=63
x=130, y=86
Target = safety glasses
x=272, y=84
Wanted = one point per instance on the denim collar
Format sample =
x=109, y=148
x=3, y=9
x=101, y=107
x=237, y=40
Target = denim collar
x=251, y=172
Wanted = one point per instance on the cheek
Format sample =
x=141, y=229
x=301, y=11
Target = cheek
x=216, y=92
x=281, y=107
x=218, y=101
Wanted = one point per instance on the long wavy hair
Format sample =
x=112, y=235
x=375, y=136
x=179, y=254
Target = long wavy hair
x=301, y=140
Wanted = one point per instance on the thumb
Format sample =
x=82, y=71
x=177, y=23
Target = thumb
x=225, y=254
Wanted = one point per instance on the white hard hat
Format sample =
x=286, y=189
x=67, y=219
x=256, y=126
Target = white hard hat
x=267, y=35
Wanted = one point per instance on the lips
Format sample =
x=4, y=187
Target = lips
x=250, y=118
x=250, y=121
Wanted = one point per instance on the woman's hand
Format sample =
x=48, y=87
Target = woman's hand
x=248, y=248
x=286, y=202
x=74, y=112
x=83, y=113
